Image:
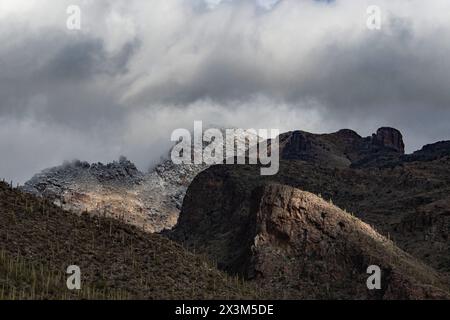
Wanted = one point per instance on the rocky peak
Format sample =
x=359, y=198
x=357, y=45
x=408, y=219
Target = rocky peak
x=389, y=138
x=73, y=175
x=117, y=170
x=344, y=148
x=151, y=200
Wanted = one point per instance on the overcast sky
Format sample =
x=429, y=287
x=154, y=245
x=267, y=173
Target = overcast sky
x=139, y=69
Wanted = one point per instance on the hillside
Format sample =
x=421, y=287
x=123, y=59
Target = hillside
x=117, y=260
x=409, y=202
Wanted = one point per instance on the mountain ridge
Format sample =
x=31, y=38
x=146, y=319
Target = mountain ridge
x=152, y=200
x=360, y=200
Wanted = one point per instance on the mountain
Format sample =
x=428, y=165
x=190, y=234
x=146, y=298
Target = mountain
x=339, y=203
x=151, y=200
x=400, y=204
x=116, y=189
x=147, y=200
x=300, y=246
x=343, y=148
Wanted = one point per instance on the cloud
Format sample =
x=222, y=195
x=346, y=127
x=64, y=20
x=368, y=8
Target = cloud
x=136, y=70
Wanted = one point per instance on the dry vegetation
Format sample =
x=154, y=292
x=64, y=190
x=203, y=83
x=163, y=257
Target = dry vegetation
x=38, y=241
x=23, y=280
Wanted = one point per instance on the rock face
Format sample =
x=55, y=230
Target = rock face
x=300, y=246
x=389, y=138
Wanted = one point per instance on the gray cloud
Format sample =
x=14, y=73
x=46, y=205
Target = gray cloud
x=139, y=69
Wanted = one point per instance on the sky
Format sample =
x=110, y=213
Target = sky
x=137, y=70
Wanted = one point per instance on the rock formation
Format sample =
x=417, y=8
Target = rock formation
x=300, y=246
x=343, y=148
x=389, y=138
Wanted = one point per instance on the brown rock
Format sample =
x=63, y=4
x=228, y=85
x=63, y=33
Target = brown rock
x=389, y=138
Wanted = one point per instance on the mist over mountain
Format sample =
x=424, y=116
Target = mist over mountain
x=136, y=70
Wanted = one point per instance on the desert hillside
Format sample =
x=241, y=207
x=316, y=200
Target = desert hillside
x=38, y=241
x=407, y=202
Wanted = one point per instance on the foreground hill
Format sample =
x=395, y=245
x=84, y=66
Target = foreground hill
x=38, y=241
x=409, y=202
x=295, y=240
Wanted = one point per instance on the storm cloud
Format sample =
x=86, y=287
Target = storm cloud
x=139, y=69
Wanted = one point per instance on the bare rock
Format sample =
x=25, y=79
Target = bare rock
x=389, y=138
